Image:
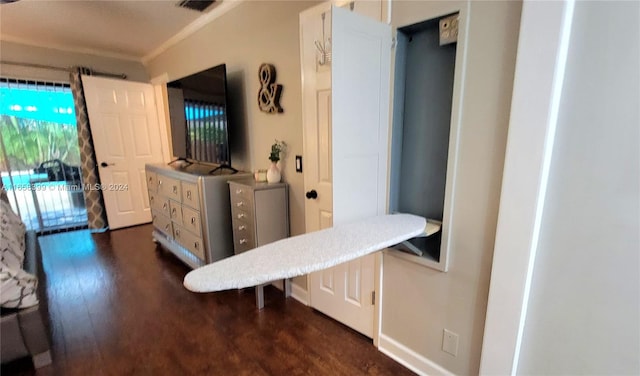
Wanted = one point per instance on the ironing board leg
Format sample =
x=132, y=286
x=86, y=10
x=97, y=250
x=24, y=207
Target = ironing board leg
x=260, y=296
x=287, y=287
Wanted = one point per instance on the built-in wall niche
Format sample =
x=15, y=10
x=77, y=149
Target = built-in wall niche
x=424, y=142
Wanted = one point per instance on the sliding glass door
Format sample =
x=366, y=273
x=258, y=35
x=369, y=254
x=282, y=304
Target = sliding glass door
x=39, y=155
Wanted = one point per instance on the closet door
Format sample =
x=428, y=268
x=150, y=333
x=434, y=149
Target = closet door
x=346, y=146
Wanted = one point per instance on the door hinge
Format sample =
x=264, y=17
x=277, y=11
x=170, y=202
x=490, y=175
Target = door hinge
x=373, y=298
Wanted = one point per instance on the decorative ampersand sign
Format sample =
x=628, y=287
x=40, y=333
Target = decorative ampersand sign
x=269, y=93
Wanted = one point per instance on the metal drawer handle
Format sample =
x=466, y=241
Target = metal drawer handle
x=175, y=189
x=151, y=198
x=240, y=216
x=189, y=195
x=193, y=220
x=166, y=227
x=177, y=232
x=238, y=191
x=159, y=182
x=242, y=227
x=239, y=204
x=173, y=211
x=196, y=245
x=164, y=206
x=242, y=241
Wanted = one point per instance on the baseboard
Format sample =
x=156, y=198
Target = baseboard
x=299, y=294
x=409, y=358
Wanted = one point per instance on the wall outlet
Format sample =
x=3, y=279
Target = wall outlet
x=450, y=342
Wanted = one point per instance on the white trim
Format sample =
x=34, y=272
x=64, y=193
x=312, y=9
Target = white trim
x=409, y=358
x=300, y=294
x=542, y=50
x=191, y=28
x=78, y=50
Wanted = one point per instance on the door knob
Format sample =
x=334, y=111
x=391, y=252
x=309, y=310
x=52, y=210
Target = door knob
x=312, y=194
x=105, y=164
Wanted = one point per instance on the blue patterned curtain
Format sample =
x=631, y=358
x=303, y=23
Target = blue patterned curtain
x=96, y=213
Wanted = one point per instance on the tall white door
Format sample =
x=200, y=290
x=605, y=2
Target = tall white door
x=346, y=125
x=126, y=136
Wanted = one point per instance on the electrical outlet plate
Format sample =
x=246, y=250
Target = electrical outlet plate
x=450, y=342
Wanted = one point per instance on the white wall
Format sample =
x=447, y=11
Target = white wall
x=249, y=35
x=418, y=302
x=20, y=53
x=584, y=307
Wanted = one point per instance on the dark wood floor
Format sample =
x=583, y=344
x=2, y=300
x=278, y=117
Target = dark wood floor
x=116, y=306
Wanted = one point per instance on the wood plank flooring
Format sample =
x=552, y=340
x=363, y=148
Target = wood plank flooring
x=116, y=306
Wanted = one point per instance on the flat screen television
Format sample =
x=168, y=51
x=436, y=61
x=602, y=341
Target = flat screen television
x=198, y=116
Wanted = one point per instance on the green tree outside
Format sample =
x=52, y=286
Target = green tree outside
x=29, y=142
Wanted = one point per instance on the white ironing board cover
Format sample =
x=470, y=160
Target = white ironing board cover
x=305, y=253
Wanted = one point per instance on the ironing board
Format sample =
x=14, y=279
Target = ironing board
x=303, y=254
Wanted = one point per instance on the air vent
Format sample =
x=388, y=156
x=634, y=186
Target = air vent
x=197, y=5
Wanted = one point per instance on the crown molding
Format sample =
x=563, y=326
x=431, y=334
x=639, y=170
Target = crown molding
x=80, y=50
x=224, y=7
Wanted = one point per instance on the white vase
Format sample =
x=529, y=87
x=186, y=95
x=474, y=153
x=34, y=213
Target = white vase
x=273, y=173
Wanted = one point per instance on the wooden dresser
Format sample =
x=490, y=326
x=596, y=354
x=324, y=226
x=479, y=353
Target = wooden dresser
x=191, y=212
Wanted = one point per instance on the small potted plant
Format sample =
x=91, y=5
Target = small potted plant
x=273, y=173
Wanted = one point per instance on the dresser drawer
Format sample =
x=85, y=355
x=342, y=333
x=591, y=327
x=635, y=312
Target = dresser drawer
x=241, y=215
x=243, y=241
x=162, y=223
x=159, y=203
x=239, y=192
x=191, y=242
x=169, y=187
x=242, y=203
x=243, y=228
x=190, y=196
x=191, y=220
x=175, y=211
x=152, y=181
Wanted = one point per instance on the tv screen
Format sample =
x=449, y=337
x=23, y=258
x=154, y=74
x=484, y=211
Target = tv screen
x=198, y=115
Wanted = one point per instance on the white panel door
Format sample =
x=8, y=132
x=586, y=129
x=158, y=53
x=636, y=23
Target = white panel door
x=126, y=136
x=346, y=127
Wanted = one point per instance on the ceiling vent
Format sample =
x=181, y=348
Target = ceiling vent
x=197, y=5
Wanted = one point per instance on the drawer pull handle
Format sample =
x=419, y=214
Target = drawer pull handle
x=164, y=206
x=159, y=182
x=242, y=241
x=189, y=195
x=196, y=245
x=175, y=189
x=177, y=232
x=239, y=204
x=193, y=220
x=240, y=216
x=150, y=179
x=173, y=211
x=166, y=227
x=238, y=191
x=151, y=198
x=242, y=227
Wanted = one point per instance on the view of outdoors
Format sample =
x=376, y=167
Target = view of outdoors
x=39, y=154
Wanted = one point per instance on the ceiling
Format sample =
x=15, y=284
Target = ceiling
x=132, y=30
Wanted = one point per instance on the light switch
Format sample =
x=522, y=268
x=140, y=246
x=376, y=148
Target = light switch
x=298, y=163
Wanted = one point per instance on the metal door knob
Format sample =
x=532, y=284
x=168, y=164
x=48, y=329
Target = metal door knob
x=105, y=164
x=312, y=194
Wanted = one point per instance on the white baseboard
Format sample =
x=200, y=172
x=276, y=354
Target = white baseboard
x=409, y=358
x=299, y=294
